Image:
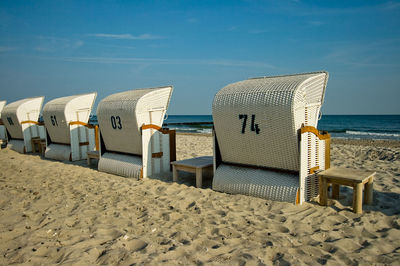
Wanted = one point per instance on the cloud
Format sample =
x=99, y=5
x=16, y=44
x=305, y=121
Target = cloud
x=257, y=31
x=128, y=36
x=192, y=20
x=391, y=5
x=316, y=23
x=149, y=61
x=7, y=49
x=52, y=44
x=371, y=54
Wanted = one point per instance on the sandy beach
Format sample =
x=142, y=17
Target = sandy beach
x=62, y=212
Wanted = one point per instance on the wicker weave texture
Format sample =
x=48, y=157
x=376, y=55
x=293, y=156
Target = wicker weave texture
x=3, y=135
x=16, y=145
x=2, y=104
x=274, y=105
x=121, y=116
x=2, y=127
x=121, y=164
x=58, y=113
x=23, y=110
x=279, y=186
x=58, y=152
x=312, y=157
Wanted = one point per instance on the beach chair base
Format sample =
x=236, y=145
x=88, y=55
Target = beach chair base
x=58, y=152
x=17, y=145
x=121, y=164
x=262, y=183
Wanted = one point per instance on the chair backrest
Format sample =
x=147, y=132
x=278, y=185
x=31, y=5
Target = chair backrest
x=3, y=135
x=25, y=111
x=2, y=104
x=58, y=113
x=257, y=121
x=122, y=115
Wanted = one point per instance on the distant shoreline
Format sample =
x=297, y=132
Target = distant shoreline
x=340, y=141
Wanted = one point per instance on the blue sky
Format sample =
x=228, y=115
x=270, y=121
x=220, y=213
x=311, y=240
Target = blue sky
x=61, y=48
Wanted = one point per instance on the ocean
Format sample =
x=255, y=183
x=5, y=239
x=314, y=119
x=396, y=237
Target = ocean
x=339, y=126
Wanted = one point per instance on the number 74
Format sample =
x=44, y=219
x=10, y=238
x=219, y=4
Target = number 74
x=253, y=127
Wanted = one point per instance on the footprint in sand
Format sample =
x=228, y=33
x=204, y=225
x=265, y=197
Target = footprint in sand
x=135, y=245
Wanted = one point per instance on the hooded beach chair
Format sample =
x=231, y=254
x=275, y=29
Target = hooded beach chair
x=21, y=121
x=68, y=134
x=265, y=141
x=132, y=141
x=3, y=136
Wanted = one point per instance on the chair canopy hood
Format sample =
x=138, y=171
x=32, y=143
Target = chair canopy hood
x=257, y=121
x=2, y=104
x=122, y=115
x=23, y=110
x=58, y=113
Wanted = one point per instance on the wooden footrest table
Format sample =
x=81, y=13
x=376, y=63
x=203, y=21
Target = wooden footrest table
x=193, y=165
x=348, y=177
x=92, y=155
x=39, y=143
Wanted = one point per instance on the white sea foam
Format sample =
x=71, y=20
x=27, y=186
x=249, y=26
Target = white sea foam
x=205, y=130
x=363, y=133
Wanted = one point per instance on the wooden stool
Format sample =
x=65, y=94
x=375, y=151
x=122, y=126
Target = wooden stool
x=347, y=177
x=42, y=146
x=92, y=155
x=35, y=142
x=193, y=165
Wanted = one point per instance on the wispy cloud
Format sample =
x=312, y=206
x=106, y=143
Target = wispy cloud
x=257, y=31
x=7, y=49
x=316, y=23
x=233, y=28
x=373, y=54
x=192, y=20
x=391, y=5
x=52, y=44
x=301, y=9
x=149, y=61
x=127, y=36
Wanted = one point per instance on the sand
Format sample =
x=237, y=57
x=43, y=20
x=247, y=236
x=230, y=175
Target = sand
x=61, y=212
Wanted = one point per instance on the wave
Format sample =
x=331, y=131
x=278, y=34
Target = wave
x=350, y=132
x=188, y=123
x=192, y=130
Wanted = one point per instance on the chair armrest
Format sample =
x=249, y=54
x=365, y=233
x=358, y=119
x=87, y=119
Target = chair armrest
x=322, y=135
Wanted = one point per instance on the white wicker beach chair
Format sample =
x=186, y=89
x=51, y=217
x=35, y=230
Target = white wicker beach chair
x=132, y=142
x=265, y=141
x=68, y=134
x=3, y=135
x=21, y=121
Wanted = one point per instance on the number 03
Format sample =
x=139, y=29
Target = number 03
x=116, y=122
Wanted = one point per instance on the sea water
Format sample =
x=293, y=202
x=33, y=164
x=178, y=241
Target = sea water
x=339, y=126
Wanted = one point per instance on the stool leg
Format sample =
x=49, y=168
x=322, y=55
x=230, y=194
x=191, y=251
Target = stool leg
x=174, y=173
x=199, y=177
x=335, y=191
x=357, y=198
x=88, y=160
x=323, y=197
x=369, y=191
x=43, y=149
